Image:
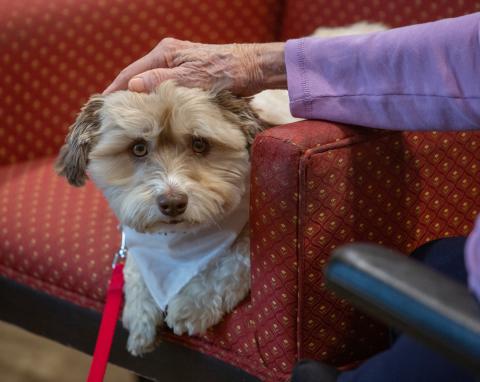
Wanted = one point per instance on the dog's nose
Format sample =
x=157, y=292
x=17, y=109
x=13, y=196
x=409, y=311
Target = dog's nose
x=172, y=204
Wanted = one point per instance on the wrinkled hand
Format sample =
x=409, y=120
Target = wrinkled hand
x=244, y=69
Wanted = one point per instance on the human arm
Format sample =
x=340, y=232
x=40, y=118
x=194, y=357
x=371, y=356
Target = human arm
x=422, y=77
x=245, y=69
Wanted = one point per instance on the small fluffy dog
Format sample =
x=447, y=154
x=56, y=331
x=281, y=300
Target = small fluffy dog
x=174, y=166
x=170, y=163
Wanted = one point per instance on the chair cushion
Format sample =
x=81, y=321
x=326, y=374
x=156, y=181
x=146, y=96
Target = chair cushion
x=54, y=237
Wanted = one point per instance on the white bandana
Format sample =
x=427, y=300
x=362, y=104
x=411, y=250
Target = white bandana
x=168, y=260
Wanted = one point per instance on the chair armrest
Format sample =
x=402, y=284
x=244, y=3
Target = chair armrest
x=409, y=295
x=316, y=186
x=281, y=159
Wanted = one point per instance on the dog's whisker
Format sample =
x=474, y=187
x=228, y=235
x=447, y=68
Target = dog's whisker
x=236, y=173
x=215, y=222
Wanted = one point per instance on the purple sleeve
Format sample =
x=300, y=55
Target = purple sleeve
x=421, y=77
x=472, y=259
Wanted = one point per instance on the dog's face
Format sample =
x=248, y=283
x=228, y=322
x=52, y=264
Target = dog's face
x=176, y=156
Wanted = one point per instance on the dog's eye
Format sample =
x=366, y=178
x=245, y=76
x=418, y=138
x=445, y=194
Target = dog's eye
x=200, y=145
x=140, y=149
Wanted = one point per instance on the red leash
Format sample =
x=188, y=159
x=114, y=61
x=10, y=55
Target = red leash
x=110, y=315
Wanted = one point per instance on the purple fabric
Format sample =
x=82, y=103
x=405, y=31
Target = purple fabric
x=472, y=259
x=422, y=77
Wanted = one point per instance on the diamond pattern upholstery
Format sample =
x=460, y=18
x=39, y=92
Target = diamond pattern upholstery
x=352, y=184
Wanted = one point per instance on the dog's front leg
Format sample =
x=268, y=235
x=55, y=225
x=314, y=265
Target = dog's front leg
x=211, y=294
x=141, y=315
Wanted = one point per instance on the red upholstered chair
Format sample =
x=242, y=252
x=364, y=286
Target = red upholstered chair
x=315, y=185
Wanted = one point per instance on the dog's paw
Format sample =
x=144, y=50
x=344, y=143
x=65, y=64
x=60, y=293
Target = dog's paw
x=185, y=316
x=141, y=318
x=142, y=338
x=142, y=328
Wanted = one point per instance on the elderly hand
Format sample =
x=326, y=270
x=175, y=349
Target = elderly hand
x=244, y=69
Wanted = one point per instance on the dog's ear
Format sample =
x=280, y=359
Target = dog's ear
x=72, y=160
x=239, y=111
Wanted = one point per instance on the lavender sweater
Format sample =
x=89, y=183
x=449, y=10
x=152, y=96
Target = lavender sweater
x=422, y=77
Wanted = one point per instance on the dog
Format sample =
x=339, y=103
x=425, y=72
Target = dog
x=173, y=163
x=174, y=166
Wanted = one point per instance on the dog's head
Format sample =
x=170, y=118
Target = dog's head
x=177, y=155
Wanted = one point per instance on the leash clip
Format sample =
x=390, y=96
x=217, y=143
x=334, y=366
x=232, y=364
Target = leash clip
x=121, y=254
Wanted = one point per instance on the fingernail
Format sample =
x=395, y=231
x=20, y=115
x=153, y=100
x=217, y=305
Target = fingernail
x=136, y=84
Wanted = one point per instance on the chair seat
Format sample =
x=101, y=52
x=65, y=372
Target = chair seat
x=55, y=237
x=60, y=240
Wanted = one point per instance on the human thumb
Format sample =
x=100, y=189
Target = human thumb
x=147, y=81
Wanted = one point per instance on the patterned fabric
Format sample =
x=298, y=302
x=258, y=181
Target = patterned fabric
x=55, y=54
x=302, y=17
x=314, y=185
x=396, y=189
x=53, y=237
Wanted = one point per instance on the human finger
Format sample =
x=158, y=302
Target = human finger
x=141, y=65
x=149, y=80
